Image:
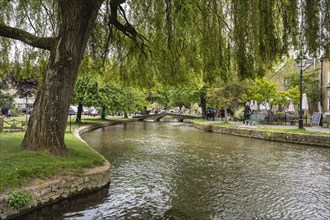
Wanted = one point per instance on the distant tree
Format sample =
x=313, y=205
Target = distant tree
x=310, y=86
x=130, y=100
x=184, y=96
x=263, y=90
x=85, y=93
x=25, y=87
x=162, y=96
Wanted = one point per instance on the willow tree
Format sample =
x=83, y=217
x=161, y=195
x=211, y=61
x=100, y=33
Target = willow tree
x=170, y=41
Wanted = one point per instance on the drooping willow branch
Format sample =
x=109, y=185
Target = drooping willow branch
x=126, y=28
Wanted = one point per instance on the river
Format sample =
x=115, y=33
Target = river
x=170, y=170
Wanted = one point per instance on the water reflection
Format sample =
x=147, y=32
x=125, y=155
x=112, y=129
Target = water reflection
x=70, y=209
x=173, y=171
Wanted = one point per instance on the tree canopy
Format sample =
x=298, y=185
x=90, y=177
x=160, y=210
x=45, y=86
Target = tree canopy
x=165, y=41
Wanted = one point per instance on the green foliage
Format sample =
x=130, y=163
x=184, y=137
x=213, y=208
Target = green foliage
x=229, y=93
x=263, y=89
x=162, y=97
x=282, y=98
x=311, y=25
x=19, y=199
x=4, y=97
x=310, y=86
x=181, y=38
x=86, y=90
x=238, y=114
x=294, y=94
x=182, y=96
x=129, y=100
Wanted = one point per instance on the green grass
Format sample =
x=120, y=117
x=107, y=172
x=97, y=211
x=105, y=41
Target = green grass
x=219, y=123
x=199, y=120
x=297, y=131
x=19, y=166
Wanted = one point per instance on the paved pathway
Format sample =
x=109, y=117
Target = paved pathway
x=316, y=129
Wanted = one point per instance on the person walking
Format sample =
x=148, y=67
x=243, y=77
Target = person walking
x=5, y=110
x=218, y=114
x=222, y=113
x=247, y=112
x=229, y=113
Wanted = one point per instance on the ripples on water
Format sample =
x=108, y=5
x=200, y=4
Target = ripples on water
x=173, y=171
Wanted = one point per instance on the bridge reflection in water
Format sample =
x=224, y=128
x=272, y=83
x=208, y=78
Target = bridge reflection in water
x=157, y=117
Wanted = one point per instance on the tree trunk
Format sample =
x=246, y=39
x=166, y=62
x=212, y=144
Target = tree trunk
x=80, y=108
x=103, y=113
x=47, y=124
x=125, y=115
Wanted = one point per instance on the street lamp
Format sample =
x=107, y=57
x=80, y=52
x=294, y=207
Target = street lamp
x=301, y=64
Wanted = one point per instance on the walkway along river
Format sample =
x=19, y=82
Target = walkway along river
x=169, y=170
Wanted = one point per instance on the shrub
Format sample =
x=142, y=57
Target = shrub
x=238, y=114
x=208, y=128
x=19, y=199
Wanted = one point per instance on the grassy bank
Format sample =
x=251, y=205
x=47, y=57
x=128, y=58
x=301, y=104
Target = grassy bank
x=228, y=124
x=19, y=166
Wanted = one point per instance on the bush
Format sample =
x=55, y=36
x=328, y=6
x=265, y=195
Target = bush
x=18, y=199
x=238, y=114
x=208, y=128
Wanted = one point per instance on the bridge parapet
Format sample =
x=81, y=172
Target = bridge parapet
x=157, y=117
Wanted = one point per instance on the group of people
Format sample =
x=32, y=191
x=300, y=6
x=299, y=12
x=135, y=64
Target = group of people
x=220, y=113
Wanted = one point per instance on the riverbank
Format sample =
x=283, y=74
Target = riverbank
x=285, y=133
x=31, y=180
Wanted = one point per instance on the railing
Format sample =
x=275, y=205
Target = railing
x=1, y=124
x=11, y=124
x=71, y=125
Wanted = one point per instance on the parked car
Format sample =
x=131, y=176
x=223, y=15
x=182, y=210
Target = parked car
x=23, y=109
x=94, y=113
x=72, y=111
x=85, y=111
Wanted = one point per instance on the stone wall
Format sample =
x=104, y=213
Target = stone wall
x=307, y=139
x=45, y=192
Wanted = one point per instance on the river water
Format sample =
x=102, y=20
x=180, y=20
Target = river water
x=169, y=170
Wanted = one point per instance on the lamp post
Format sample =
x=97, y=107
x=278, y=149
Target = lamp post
x=301, y=64
x=321, y=81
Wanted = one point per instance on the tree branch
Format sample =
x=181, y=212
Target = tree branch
x=221, y=18
x=30, y=39
x=127, y=28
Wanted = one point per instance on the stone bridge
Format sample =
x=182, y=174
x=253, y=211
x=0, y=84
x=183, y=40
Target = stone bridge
x=157, y=117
